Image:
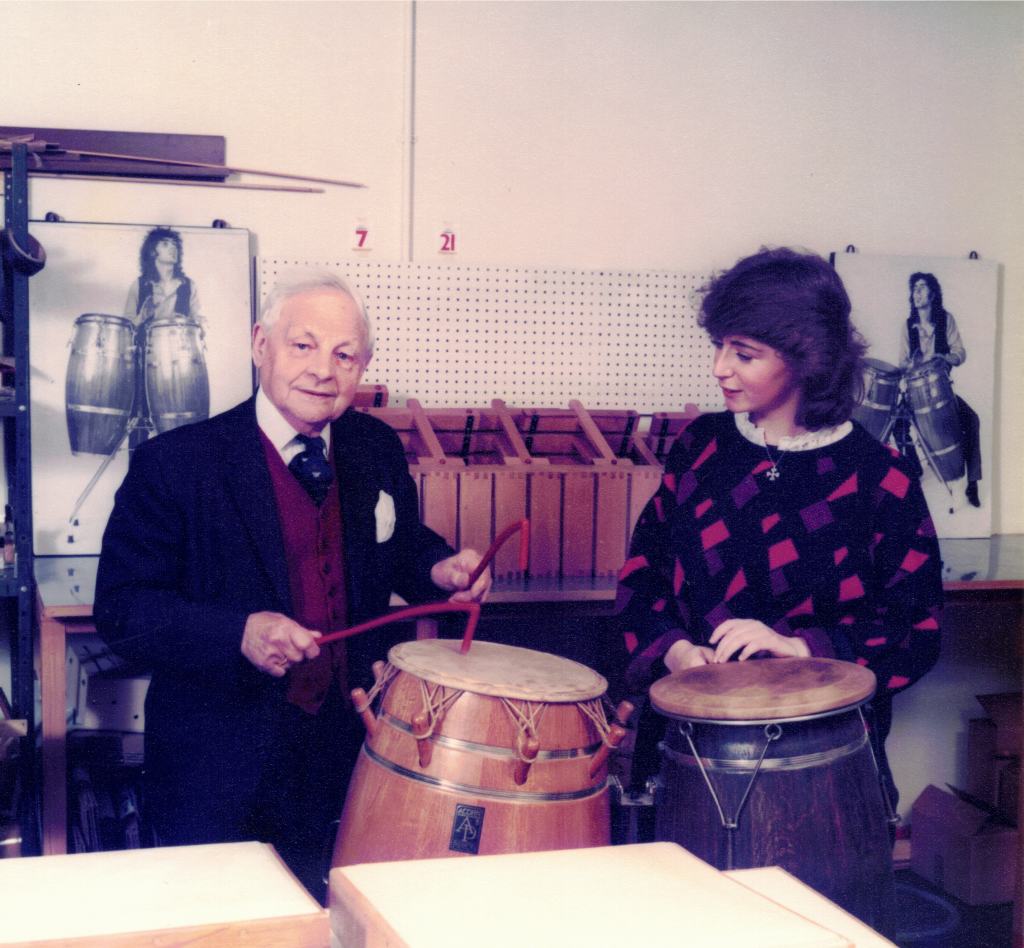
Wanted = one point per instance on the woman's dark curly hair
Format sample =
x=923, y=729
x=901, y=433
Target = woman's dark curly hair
x=147, y=255
x=797, y=304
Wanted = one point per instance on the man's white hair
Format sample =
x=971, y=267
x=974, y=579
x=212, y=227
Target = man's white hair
x=303, y=281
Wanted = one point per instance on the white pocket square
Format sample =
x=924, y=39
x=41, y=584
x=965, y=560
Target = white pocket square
x=385, y=514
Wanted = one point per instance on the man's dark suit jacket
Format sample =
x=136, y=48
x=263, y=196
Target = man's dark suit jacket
x=192, y=548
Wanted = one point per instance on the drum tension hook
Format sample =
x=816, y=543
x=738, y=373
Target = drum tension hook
x=772, y=733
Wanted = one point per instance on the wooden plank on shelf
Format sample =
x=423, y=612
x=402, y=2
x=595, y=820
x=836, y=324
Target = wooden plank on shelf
x=509, y=506
x=545, y=488
x=611, y=503
x=205, y=149
x=439, y=500
x=475, y=507
x=578, y=523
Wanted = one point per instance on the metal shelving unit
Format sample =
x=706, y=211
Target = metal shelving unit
x=16, y=588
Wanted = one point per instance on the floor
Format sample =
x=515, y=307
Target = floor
x=980, y=926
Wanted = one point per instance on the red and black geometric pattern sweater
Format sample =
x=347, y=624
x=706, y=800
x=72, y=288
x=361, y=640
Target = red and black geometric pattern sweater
x=839, y=549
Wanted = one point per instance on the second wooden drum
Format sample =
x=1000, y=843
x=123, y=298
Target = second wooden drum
x=488, y=752
x=768, y=763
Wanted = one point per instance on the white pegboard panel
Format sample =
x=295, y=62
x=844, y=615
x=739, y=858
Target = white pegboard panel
x=458, y=336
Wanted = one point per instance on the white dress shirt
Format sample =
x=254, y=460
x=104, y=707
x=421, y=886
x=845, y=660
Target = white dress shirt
x=280, y=433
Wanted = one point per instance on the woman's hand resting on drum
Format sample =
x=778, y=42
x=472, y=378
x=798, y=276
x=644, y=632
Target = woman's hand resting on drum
x=751, y=637
x=747, y=635
x=684, y=654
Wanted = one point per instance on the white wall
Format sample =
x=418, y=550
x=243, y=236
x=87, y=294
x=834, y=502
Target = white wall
x=646, y=135
x=313, y=89
x=684, y=135
x=624, y=135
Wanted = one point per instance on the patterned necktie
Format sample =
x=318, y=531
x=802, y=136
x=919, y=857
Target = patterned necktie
x=311, y=468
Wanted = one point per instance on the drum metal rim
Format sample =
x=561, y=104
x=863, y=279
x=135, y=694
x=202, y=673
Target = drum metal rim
x=519, y=796
x=489, y=749
x=97, y=409
x=104, y=318
x=741, y=722
x=743, y=765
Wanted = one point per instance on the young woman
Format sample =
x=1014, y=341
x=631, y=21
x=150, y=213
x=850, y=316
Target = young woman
x=781, y=527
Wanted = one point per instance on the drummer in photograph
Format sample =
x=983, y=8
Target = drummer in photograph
x=781, y=528
x=233, y=544
x=161, y=291
x=930, y=334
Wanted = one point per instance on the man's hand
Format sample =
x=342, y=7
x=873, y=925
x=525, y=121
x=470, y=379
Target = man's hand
x=684, y=654
x=454, y=572
x=752, y=636
x=273, y=642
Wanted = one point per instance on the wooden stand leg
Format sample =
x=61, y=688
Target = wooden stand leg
x=53, y=672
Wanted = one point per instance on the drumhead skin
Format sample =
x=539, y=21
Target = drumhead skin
x=502, y=671
x=763, y=689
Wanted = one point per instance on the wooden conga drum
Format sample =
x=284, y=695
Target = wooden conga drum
x=930, y=393
x=881, y=392
x=177, y=383
x=768, y=763
x=100, y=383
x=499, y=750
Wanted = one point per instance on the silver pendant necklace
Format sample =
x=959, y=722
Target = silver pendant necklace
x=773, y=472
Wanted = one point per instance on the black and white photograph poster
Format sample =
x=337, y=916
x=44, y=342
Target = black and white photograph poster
x=135, y=330
x=931, y=326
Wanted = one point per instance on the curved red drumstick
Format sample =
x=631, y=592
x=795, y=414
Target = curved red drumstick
x=524, y=548
x=473, y=608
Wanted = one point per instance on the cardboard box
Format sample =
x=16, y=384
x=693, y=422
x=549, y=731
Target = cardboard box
x=1005, y=711
x=993, y=752
x=102, y=694
x=959, y=848
x=981, y=757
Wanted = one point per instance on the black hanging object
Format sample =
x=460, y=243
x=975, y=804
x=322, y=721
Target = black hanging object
x=26, y=261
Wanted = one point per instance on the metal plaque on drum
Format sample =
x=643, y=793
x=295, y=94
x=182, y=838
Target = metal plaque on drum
x=466, y=829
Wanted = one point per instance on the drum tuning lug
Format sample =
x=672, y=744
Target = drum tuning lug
x=529, y=750
x=630, y=797
x=362, y=706
x=378, y=670
x=421, y=731
x=623, y=712
x=615, y=735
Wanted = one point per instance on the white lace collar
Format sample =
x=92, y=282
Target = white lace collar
x=809, y=441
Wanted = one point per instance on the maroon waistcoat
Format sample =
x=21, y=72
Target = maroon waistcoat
x=316, y=576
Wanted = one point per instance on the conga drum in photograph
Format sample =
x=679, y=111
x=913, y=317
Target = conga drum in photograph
x=100, y=383
x=881, y=391
x=177, y=384
x=768, y=763
x=933, y=403
x=498, y=750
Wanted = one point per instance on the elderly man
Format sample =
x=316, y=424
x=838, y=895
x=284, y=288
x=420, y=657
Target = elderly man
x=233, y=544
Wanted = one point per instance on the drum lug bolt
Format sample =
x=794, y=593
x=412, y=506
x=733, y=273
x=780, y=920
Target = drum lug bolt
x=362, y=706
x=421, y=731
x=615, y=735
x=528, y=754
